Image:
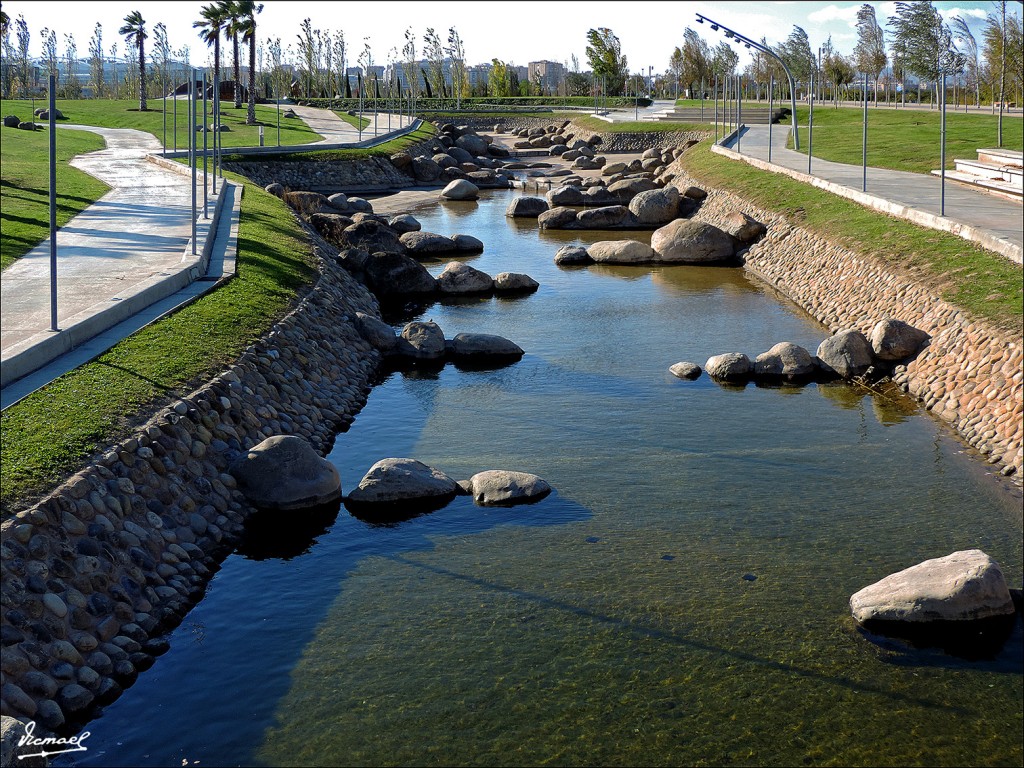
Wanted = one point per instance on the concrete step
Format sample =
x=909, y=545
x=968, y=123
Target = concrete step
x=1001, y=156
x=1014, y=176
x=997, y=188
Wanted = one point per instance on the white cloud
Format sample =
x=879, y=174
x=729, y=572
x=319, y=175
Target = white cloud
x=829, y=13
x=975, y=13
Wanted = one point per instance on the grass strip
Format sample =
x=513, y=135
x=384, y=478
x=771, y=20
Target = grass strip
x=982, y=283
x=50, y=434
x=602, y=126
x=425, y=132
x=25, y=189
x=122, y=113
x=354, y=120
x=903, y=139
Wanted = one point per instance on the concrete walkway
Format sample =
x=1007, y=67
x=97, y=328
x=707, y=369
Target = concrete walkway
x=127, y=258
x=965, y=207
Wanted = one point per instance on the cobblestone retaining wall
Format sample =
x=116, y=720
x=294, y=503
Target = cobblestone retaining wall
x=970, y=374
x=94, y=573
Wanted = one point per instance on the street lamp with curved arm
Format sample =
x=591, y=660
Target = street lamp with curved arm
x=733, y=34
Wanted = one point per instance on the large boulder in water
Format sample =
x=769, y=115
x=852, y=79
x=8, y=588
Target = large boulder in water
x=785, y=360
x=397, y=480
x=458, y=278
x=626, y=189
x=895, y=339
x=379, y=334
x=395, y=274
x=565, y=195
x=731, y=366
x=655, y=207
x=603, y=218
x=526, y=207
x=284, y=472
x=371, y=236
x=426, y=244
x=557, y=218
x=497, y=487
x=572, y=255
x=691, y=241
x=422, y=341
x=621, y=252
x=514, y=282
x=404, y=223
x=483, y=345
x=846, y=354
x=963, y=586
x=460, y=189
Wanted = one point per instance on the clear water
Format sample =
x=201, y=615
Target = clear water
x=612, y=622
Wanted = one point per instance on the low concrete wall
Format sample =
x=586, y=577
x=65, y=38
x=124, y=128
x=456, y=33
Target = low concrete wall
x=970, y=374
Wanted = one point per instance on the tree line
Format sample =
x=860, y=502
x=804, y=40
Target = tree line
x=917, y=43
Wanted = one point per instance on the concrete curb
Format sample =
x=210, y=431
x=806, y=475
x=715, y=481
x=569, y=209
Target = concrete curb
x=990, y=242
x=38, y=350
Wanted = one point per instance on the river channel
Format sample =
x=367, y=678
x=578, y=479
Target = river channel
x=680, y=599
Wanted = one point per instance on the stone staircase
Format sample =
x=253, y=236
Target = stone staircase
x=752, y=115
x=998, y=171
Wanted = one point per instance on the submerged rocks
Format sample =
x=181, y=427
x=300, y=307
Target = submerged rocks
x=963, y=586
x=403, y=480
x=497, y=487
x=284, y=472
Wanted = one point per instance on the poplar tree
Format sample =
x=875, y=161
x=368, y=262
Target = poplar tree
x=870, y=49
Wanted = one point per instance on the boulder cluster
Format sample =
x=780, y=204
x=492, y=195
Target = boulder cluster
x=425, y=342
x=384, y=253
x=401, y=485
x=681, y=241
x=457, y=153
x=848, y=354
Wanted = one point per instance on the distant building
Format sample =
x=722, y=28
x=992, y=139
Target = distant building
x=548, y=76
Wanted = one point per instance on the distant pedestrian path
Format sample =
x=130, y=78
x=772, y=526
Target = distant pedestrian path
x=336, y=131
x=996, y=221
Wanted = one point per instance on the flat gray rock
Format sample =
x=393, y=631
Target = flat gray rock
x=621, y=252
x=478, y=345
x=685, y=370
x=498, y=487
x=514, y=282
x=963, y=586
x=391, y=480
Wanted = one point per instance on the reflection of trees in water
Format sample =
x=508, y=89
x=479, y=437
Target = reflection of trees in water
x=889, y=405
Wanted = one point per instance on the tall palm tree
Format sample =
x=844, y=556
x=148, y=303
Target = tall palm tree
x=211, y=25
x=246, y=27
x=233, y=18
x=134, y=31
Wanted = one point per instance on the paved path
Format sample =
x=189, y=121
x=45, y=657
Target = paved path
x=137, y=230
x=336, y=131
x=915, y=190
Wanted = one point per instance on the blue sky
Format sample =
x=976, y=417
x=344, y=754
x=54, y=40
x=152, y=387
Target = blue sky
x=517, y=32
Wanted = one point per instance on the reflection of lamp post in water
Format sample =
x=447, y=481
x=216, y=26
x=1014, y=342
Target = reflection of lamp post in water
x=753, y=44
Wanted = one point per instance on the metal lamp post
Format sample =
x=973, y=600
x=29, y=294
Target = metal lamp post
x=754, y=44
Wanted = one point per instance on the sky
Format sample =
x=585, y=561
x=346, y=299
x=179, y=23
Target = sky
x=515, y=32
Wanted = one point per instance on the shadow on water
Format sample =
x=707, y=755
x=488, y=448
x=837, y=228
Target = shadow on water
x=265, y=537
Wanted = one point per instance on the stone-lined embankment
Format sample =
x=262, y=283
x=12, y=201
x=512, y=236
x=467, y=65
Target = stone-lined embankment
x=970, y=374
x=94, y=573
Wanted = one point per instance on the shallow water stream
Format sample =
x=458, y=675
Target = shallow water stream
x=681, y=599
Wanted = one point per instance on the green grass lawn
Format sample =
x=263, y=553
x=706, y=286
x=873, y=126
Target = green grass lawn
x=25, y=188
x=50, y=434
x=110, y=113
x=984, y=284
x=356, y=120
x=388, y=148
x=903, y=139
